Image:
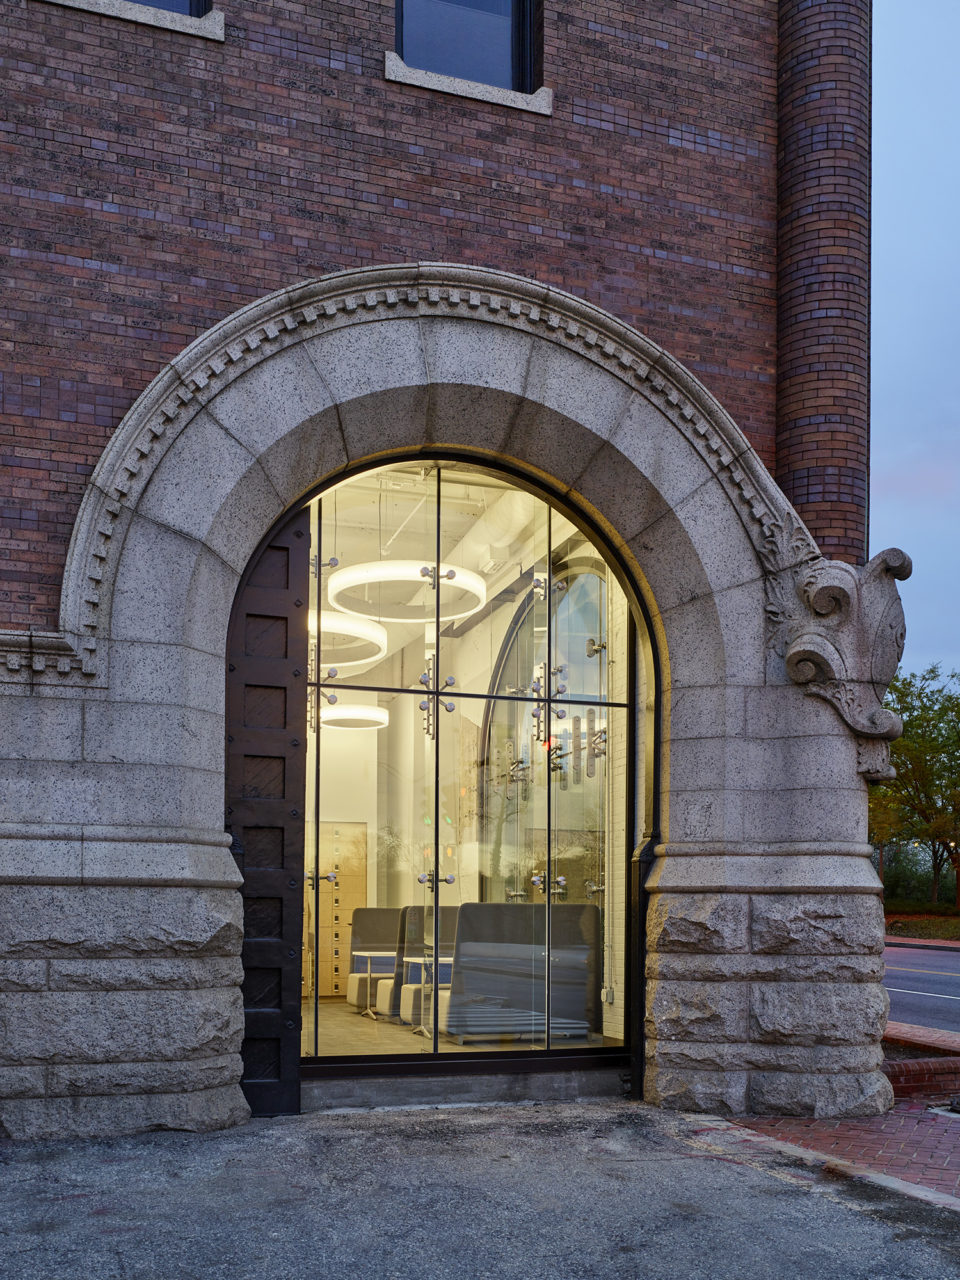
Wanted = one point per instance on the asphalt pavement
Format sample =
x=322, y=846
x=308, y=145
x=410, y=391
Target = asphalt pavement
x=610, y=1190
x=924, y=986
x=590, y=1191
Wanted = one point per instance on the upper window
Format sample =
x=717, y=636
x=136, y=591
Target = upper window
x=489, y=41
x=189, y=17
x=189, y=8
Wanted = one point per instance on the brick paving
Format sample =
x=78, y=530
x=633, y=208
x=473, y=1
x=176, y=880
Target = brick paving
x=910, y=1142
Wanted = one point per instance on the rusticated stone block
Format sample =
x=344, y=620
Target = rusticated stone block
x=23, y=975
x=710, y=922
x=131, y=1026
x=144, y=975
x=786, y=1093
x=835, y=1013
x=86, y=1079
x=21, y=1082
x=688, y=1055
x=721, y=1092
x=198, y=1112
x=64, y=920
x=816, y=924
x=697, y=1010
x=677, y=967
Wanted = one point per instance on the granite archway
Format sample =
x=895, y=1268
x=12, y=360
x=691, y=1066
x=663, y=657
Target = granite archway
x=764, y=930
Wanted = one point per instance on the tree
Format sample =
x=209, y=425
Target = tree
x=922, y=804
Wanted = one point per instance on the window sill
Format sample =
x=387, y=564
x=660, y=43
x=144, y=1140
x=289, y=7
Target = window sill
x=209, y=27
x=540, y=102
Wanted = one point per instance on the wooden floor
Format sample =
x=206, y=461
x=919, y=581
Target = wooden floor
x=342, y=1031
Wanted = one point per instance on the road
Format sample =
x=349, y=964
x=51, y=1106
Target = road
x=924, y=987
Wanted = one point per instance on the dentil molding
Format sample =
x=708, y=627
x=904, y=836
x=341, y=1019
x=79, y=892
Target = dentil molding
x=822, y=615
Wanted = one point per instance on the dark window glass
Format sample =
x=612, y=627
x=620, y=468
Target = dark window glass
x=473, y=39
x=191, y=8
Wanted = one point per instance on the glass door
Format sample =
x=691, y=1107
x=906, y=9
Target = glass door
x=371, y=764
x=467, y=757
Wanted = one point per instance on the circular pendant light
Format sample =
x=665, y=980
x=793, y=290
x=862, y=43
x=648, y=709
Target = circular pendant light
x=354, y=715
x=401, y=591
x=349, y=643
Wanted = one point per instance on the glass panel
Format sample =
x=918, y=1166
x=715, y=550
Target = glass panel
x=472, y=39
x=589, y=620
x=496, y=537
x=493, y=807
x=588, y=759
x=377, y=540
x=191, y=8
x=372, y=838
x=462, y=828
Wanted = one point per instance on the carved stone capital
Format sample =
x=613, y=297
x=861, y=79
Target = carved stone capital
x=873, y=760
x=841, y=632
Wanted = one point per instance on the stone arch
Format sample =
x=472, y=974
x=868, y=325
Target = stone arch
x=300, y=385
x=471, y=358
x=766, y=797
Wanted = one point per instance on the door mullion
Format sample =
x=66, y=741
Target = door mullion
x=435, y=1004
x=548, y=689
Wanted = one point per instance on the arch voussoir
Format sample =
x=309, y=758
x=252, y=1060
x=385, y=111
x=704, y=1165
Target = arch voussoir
x=768, y=679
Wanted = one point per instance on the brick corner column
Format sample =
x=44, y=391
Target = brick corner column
x=823, y=269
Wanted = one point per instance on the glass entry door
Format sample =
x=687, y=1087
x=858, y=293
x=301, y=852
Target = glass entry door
x=468, y=746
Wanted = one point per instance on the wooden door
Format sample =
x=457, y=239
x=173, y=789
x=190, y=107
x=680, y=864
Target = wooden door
x=266, y=759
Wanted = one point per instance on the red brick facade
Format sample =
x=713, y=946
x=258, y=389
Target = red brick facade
x=824, y=266
x=156, y=181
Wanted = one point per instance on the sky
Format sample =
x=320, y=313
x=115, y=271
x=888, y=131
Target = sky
x=915, y=415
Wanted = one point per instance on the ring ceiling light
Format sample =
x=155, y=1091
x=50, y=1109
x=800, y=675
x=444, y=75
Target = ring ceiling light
x=354, y=716
x=463, y=592
x=361, y=641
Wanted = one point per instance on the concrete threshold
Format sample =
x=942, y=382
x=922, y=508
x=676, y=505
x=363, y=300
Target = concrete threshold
x=378, y=1093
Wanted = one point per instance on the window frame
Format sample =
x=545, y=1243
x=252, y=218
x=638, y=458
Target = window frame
x=208, y=26
x=191, y=9
x=525, y=47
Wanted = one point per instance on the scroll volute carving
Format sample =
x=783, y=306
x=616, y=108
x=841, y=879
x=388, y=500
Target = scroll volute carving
x=847, y=643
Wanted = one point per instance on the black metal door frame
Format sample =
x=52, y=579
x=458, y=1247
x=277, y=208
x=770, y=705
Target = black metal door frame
x=276, y=1090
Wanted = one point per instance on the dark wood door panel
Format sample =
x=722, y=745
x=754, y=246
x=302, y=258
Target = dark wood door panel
x=266, y=759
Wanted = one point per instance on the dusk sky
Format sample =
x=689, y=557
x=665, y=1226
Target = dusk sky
x=916, y=296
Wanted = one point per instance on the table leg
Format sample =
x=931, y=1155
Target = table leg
x=368, y=1011
x=423, y=1029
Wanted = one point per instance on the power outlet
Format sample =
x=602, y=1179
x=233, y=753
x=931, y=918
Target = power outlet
x=608, y=995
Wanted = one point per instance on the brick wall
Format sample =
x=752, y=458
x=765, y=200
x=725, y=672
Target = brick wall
x=155, y=182
x=824, y=266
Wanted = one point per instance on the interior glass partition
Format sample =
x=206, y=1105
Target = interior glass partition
x=472, y=771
